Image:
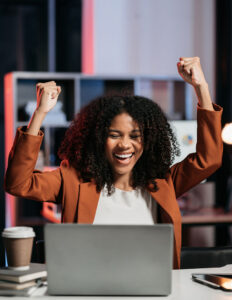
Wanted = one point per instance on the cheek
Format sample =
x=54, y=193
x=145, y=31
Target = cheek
x=139, y=148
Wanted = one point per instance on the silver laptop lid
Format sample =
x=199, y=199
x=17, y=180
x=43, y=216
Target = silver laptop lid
x=109, y=259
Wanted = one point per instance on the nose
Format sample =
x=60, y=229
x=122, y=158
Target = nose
x=124, y=143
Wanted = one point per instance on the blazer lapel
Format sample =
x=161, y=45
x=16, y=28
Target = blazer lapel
x=88, y=201
x=166, y=198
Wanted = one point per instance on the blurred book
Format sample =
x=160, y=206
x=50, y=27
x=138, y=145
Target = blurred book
x=26, y=292
x=36, y=271
x=16, y=286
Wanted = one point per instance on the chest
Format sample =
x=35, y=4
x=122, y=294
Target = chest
x=80, y=201
x=125, y=207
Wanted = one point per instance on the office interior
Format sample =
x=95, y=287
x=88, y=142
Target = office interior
x=120, y=45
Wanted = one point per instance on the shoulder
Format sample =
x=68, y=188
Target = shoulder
x=69, y=172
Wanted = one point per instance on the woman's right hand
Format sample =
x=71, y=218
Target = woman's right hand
x=47, y=95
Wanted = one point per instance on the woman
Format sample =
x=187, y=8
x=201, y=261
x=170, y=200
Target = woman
x=117, y=157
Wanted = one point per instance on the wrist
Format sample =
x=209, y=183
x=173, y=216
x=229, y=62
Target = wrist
x=36, y=122
x=201, y=88
x=203, y=96
x=40, y=112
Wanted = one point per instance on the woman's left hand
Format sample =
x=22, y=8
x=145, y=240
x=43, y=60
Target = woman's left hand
x=190, y=70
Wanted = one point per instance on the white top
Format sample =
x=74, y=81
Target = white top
x=135, y=207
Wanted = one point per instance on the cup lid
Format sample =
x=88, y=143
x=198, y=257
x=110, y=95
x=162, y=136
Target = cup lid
x=18, y=232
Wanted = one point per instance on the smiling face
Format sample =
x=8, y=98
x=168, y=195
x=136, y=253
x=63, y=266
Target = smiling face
x=123, y=145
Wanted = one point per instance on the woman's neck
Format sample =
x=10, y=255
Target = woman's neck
x=123, y=182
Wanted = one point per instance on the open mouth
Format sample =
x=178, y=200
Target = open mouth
x=124, y=156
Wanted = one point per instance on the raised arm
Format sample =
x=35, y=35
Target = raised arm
x=47, y=95
x=21, y=179
x=200, y=165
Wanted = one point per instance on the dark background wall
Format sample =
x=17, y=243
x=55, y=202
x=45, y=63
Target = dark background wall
x=224, y=98
x=26, y=45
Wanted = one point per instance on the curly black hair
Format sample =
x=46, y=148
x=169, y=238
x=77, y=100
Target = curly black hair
x=85, y=139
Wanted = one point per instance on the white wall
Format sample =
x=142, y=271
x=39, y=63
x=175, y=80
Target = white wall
x=148, y=36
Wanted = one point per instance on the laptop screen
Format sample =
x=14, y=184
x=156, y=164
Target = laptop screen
x=109, y=259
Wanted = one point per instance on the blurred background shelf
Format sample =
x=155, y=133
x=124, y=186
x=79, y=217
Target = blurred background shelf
x=207, y=216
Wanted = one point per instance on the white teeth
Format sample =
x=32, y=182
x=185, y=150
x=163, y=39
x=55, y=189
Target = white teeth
x=124, y=155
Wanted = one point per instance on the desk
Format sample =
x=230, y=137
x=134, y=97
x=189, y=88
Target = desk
x=183, y=288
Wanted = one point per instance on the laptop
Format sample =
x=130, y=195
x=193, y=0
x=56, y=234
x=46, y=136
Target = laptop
x=109, y=259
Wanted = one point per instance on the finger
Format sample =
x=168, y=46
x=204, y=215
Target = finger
x=183, y=68
x=41, y=86
x=54, y=95
x=179, y=67
x=46, y=84
x=54, y=92
x=188, y=69
x=186, y=58
x=188, y=64
x=59, y=89
x=50, y=83
x=49, y=89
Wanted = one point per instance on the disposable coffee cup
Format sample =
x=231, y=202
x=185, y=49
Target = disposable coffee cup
x=18, y=242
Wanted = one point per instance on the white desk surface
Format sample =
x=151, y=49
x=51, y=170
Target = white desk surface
x=183, y=288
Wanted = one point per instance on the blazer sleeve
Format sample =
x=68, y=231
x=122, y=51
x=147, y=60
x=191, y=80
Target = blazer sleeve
x=22, y=180
x=208, y=157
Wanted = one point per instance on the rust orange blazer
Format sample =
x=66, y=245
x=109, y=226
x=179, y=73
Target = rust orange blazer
x=80, y=199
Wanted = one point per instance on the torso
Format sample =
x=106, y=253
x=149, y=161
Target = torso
x=126, y=207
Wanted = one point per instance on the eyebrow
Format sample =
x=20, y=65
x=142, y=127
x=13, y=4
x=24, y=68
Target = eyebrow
x=118, y=131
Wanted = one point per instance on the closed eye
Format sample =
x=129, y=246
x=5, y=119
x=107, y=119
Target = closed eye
x=114, y=136
x=135, y=136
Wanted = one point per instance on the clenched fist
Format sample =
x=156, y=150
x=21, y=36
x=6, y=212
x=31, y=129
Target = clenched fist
x=190, y=70
x=47, y=95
